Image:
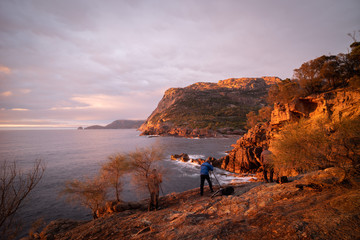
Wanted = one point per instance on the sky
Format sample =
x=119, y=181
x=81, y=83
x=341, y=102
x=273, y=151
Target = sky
x=67, y=63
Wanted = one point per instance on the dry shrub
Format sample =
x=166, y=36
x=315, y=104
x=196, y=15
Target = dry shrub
x=142, y=162
x=251, y=119
x=312, y=145
x=263, y=115
x=15, y=186
x=90, y=193
x=112, y=171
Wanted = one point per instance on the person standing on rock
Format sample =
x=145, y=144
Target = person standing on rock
x=204, y=174
x=154, y=181
x=267, y=164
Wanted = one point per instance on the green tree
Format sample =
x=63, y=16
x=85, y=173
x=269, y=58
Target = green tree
x=353, y=60
x=284, y=91
x=113, y=169
x=309, y=75
x=329, y=72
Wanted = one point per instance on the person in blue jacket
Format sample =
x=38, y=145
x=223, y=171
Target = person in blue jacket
x=204, y=174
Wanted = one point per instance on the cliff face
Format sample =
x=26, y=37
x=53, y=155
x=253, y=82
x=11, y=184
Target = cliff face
x=335, y=105
x=207, y=109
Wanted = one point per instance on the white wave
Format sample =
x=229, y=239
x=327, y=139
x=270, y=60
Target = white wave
x=196, y=156
x=223, y=153
x=224, y=177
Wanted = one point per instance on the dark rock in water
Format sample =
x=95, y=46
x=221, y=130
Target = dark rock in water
x=182, y=157
x=185, y=158
x=80, y=128
x=198, y=161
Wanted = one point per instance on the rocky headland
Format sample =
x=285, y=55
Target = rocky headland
x=245, y=155
x=208, y=109
x=319, y=205
x=334, y=106
x=119, y=124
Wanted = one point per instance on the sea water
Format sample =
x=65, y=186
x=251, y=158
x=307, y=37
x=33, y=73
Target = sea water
x=76, y=154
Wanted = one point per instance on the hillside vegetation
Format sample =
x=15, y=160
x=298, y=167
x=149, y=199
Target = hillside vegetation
x=119, y=124
x=208, y=109
x=314, y=124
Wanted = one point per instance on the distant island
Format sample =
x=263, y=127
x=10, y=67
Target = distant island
x=118, y=124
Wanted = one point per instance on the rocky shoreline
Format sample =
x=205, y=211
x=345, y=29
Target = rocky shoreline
x=192, y=133
x=319, y=205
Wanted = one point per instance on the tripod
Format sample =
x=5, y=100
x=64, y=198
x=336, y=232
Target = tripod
x=214, y=194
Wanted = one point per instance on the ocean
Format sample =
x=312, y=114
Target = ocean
x=75, y=154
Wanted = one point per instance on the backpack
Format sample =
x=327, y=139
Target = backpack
x=227, y=191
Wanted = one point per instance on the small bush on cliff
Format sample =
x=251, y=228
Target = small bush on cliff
x=90, y=193
x=284, y=91
x=112, y=171
x=306, y=146
x=346, y=144
x=142, y=161
x=264, y=115
x=93, y=192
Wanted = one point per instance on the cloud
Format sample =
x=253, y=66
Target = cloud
x=6, y=94
x=4, y=70
x=115, y=59
x=19, y=109
x=139, y=102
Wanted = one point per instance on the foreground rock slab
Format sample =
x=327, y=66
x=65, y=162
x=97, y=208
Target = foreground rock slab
x=255, y=211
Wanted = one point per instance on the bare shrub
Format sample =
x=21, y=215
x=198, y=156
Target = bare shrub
x=36, y=227
x=90, y=193
x=143, y=161
x=112, y=171
x=15, y=186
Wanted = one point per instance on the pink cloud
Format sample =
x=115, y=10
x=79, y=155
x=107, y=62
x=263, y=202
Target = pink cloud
x=5, y=70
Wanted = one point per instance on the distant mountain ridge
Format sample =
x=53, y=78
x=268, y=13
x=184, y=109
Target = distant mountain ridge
x=119, y=124
x=206, y=109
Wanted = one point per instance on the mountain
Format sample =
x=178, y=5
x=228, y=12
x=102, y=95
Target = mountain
x=208, y=109
x=119, y=124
